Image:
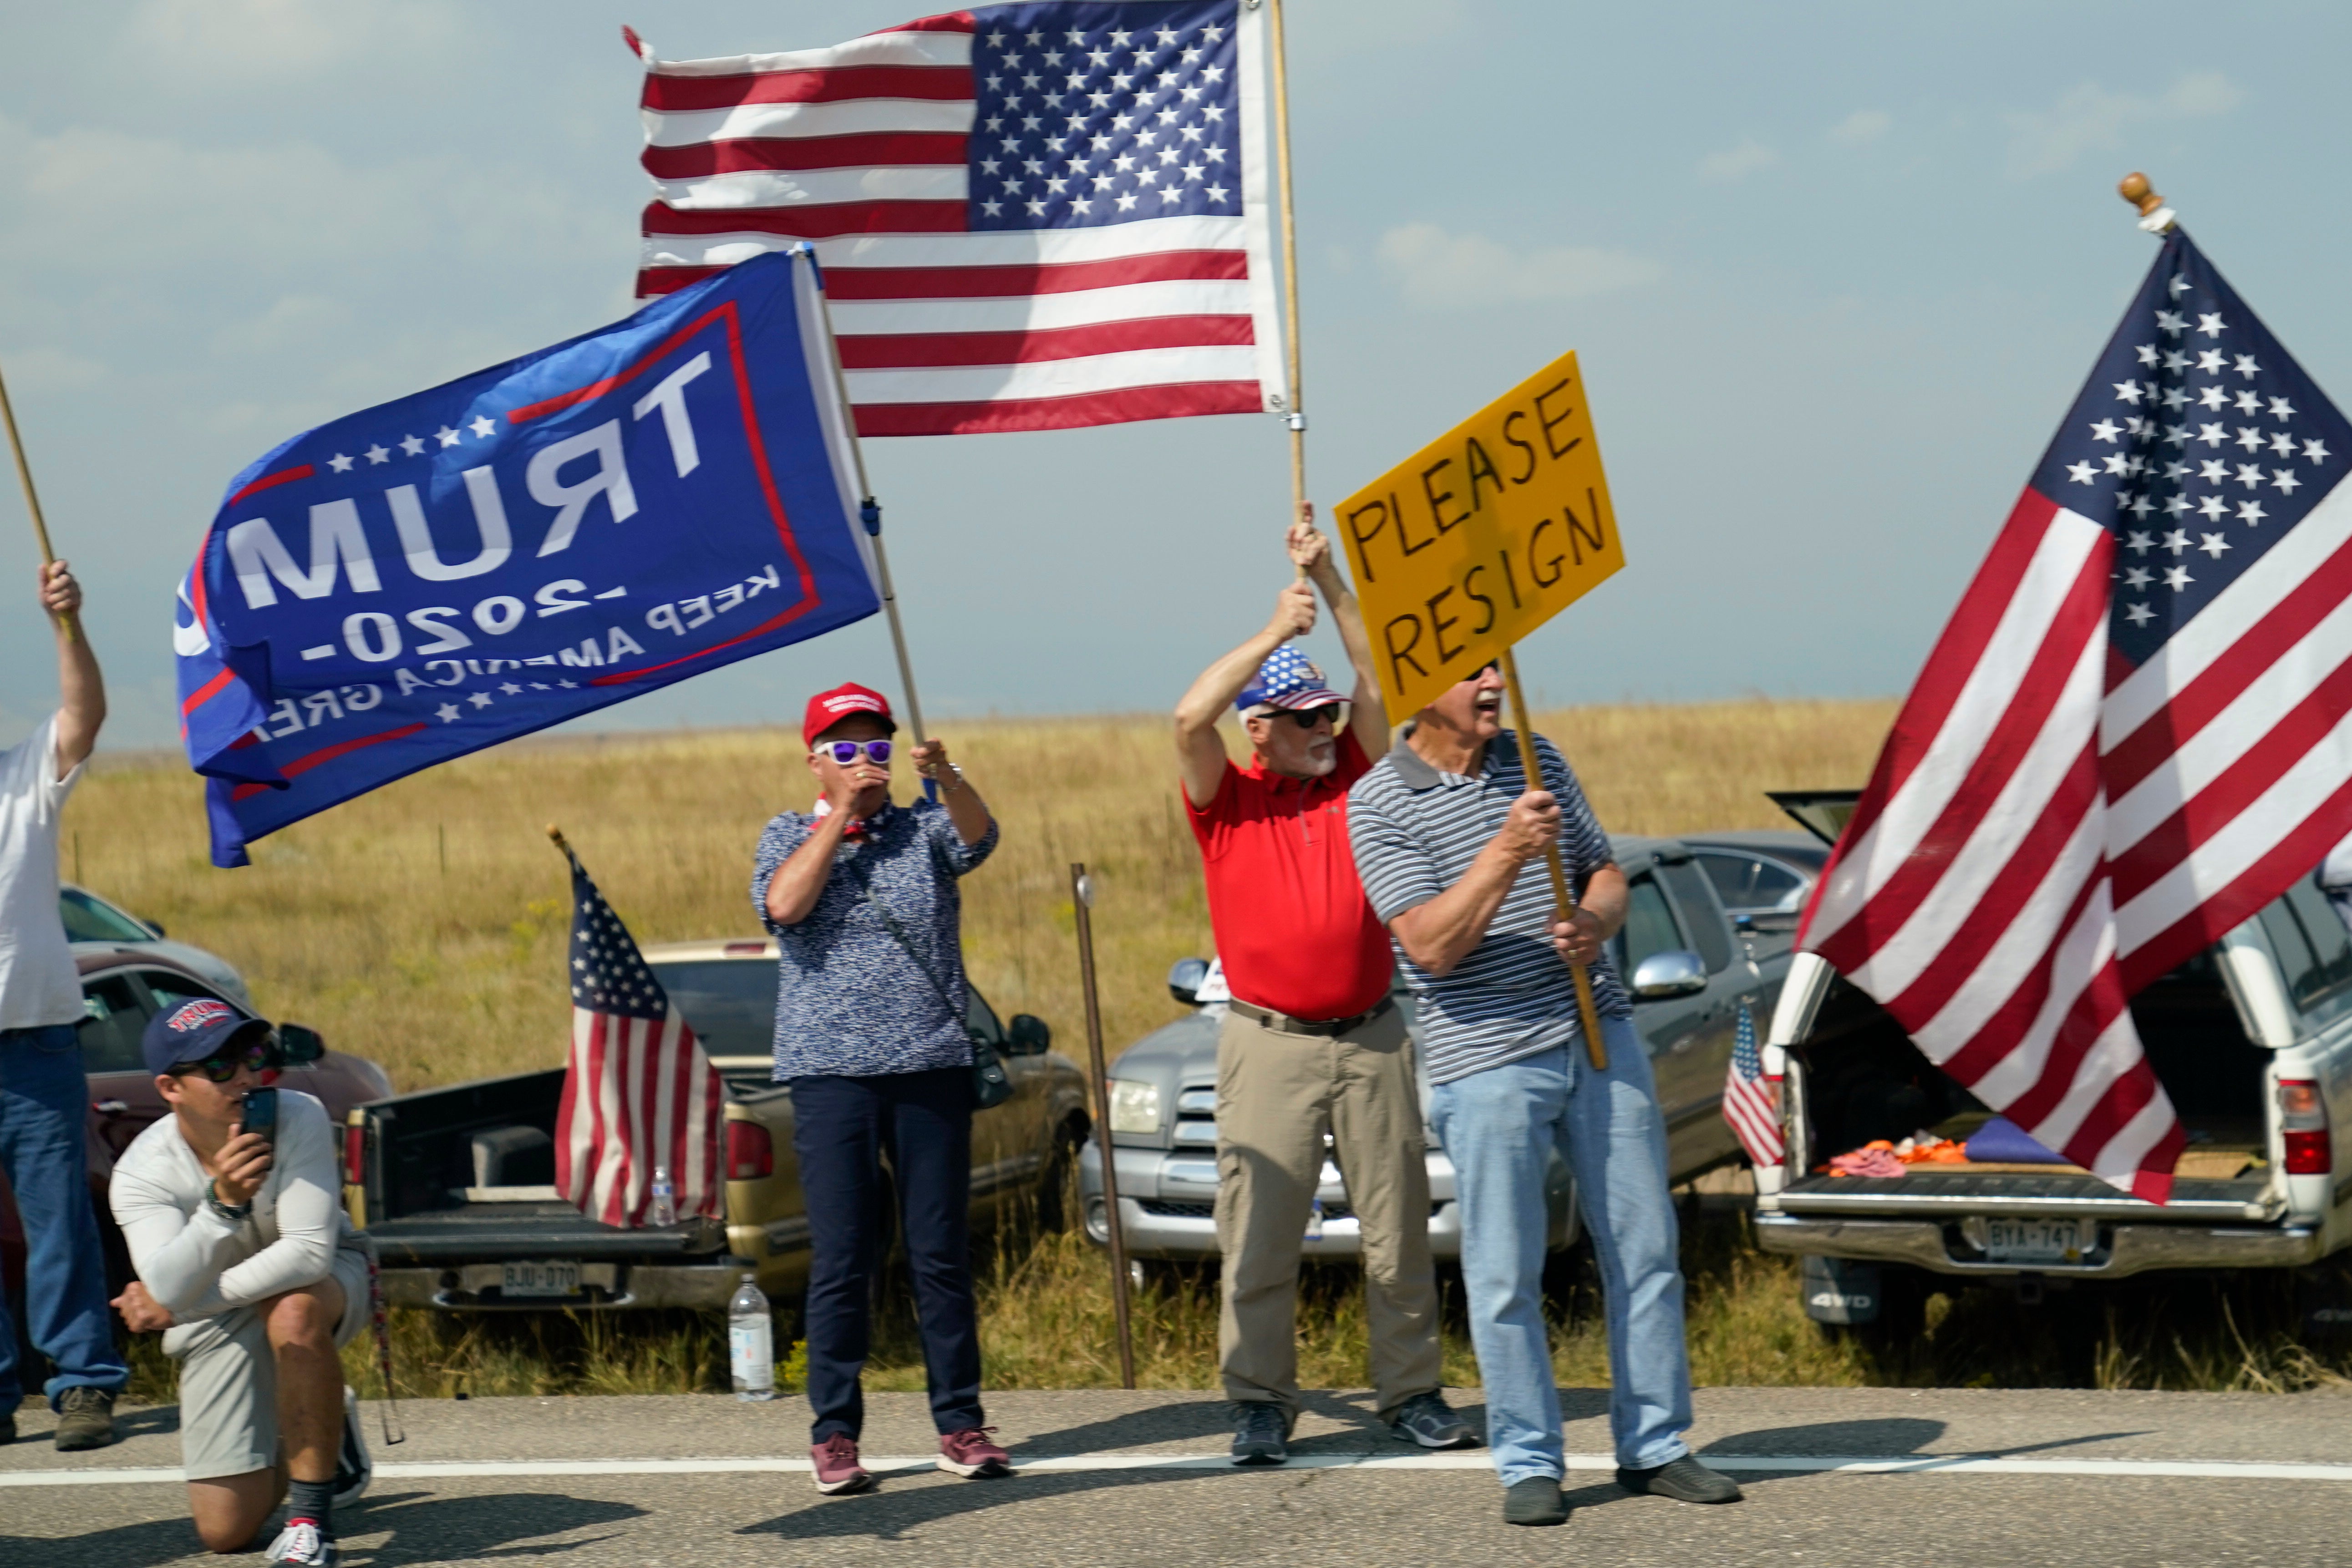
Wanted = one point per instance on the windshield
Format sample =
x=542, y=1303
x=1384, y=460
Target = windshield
x=89, y=918
x=730, y=1002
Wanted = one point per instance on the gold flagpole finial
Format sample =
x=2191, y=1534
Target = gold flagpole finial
x=555, y=837
x=2154, y=215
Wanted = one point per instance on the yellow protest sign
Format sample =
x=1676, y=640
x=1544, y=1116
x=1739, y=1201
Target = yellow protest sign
x=1480, y=537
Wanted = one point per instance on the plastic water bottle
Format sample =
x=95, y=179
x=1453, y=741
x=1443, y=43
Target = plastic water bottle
x=750, y=1342
x=1315, y=1221
x=664, y=1205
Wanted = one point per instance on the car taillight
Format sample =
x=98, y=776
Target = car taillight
x=355, y=1155
x=2302, y=1116
x=751, y=1153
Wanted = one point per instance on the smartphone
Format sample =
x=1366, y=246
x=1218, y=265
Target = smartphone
x=261, y=1114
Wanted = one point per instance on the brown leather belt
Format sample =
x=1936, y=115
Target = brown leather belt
x=1283, y=1023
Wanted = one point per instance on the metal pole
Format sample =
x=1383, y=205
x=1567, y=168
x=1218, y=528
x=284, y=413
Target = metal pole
x=32, y=496
x=1082, y=896
x=1563, y=902
x=1290, y=261
x=870, y=512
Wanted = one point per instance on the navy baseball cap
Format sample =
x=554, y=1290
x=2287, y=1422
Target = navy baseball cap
x=1289, y=678
x=192, y=1031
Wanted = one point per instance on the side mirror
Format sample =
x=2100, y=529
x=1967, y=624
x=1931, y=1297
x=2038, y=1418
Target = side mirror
x=1028, y=1035
x=155, y=926
x=1671, y=974
x=300, y=1044
x=1184, y=977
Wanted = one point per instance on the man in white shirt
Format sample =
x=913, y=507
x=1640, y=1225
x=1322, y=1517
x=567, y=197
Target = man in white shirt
x=44, y=1097
x=248, y=1264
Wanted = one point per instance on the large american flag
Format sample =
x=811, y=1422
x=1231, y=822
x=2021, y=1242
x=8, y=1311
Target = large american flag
x=1750, y=1099
x=639, y=1092
x=2131, y=737
x=1029, y=217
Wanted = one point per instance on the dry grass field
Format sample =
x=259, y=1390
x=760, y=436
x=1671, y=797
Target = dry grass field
x=424, y=926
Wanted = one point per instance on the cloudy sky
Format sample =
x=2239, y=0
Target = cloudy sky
x=1834, y=270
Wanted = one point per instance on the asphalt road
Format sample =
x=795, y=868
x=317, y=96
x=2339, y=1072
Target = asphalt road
x=1871, y=1478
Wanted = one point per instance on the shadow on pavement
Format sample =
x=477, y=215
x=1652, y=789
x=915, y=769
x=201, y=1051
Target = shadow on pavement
x=1887, y=1437
x=426, y=1529
x=892, y=1512
x=124, y=1546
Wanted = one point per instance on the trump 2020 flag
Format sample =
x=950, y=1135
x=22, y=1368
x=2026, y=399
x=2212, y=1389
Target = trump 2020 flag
x=640, y=1097
x=1032, y=216
x=2136, y=732
x=521, y=546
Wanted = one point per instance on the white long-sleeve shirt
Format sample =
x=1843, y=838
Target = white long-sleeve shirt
x=197, y=1264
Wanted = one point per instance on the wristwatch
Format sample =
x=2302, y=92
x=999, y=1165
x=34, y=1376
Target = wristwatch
x=235, y=1213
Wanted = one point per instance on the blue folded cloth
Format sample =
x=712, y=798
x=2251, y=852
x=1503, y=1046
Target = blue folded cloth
x=2001, y=1142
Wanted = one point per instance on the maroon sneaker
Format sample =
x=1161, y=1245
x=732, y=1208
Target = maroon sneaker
x=970, y=1455
x=837, y=1469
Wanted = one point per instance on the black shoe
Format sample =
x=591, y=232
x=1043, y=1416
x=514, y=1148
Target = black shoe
x=354, y=1467
x=1427, y=1420
x=1535, y=1500
x=85, y=1418
x=1261, y=1435
x=7, y=1426
x=1685, y=1480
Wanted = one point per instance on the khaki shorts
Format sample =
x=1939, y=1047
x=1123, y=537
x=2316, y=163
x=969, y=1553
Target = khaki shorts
x=228, y=1378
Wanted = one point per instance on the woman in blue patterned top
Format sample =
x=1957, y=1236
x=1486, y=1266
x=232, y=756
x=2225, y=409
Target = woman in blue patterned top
x=861, y=897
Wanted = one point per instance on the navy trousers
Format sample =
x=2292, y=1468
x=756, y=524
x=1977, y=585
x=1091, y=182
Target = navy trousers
x=842, y=1129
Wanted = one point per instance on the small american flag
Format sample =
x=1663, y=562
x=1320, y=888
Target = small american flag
x=639, y=1091
x=2131, y=737
x=1748, y=1098
x=1030, y=217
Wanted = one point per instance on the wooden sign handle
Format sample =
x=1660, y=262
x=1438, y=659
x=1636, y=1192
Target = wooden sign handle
x=71, y=623
x=1563, y=902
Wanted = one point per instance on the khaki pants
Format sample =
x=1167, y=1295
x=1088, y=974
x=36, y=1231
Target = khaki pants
x=1277, y=1093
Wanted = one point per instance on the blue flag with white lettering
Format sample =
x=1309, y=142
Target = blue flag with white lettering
x=521, y=546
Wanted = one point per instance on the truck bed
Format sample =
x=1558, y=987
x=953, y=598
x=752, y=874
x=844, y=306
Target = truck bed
x=1926, y=1192
x=551, y=1228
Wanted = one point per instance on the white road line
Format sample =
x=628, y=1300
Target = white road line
x=1780, y=1463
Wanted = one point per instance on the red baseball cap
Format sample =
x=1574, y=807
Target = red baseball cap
x=827, y=709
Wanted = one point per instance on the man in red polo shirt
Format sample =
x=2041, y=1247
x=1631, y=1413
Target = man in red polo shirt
x=1311, y=1044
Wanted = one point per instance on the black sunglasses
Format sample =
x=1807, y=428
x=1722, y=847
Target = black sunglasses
x=1308, y=717
x=224, y=1065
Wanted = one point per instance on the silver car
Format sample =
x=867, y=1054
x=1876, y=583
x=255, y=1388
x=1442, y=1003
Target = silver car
x=1693, y=966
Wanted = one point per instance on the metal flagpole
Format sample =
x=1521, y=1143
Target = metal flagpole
x=1563, y=902
x=1082, y=900
x=32, y=496
x=870, y=514
x=1289, y=262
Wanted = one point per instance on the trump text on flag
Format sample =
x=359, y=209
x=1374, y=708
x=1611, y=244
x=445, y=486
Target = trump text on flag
x=1481, y=536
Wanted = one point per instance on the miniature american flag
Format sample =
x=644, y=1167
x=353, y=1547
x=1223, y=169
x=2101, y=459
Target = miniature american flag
x=1748, y=1098
x=1030, y=217
x=638, y=1092
x=2136, y=732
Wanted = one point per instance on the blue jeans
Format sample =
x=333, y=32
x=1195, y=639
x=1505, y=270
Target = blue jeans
x=1499, y=1127
x=44, y=1107
x=843, y=1127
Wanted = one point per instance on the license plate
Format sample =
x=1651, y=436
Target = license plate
x=550, y=1278
x=2036, y=1240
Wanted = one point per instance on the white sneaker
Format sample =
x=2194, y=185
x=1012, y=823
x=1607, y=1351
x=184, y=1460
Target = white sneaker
x=353, y=1468
x=302, y=1544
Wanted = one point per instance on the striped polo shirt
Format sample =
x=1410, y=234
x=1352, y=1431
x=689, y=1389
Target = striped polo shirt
x=1415, y=832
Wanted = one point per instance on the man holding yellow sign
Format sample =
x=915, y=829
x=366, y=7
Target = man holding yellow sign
x=1527, y=1031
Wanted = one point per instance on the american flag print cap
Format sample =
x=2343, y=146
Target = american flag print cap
x=1289, y=678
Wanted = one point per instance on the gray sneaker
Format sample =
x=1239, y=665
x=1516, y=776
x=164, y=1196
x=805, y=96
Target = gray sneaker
x=1427, y=1420
x=85, y=1418
x=1535, y=1500
x=1261, y=1435
x=1684, y=1479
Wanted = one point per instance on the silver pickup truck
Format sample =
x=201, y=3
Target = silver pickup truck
x=1707, y=929
x=2252, y=1041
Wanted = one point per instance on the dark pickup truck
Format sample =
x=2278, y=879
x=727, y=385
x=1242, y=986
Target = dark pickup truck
x=456, y=1184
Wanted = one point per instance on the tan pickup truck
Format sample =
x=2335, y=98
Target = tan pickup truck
x=456, y=1184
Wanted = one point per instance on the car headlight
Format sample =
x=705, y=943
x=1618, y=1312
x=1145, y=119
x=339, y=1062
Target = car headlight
x=1134, y=1106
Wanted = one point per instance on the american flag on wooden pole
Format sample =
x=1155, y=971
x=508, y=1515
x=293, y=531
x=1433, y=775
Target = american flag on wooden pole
x=1750, y=1099
x=1030, y=217
x=2132, y=736
x=638, y=1092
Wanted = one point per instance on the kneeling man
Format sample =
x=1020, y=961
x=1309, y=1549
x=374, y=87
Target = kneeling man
x=246, y=1262
x=1451, y=836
